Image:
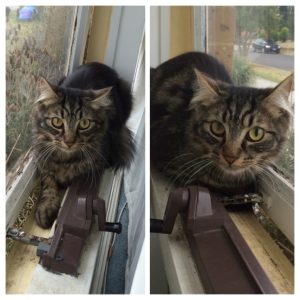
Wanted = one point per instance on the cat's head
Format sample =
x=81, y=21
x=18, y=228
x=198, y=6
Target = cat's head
x=69, y=122
x=238, y=130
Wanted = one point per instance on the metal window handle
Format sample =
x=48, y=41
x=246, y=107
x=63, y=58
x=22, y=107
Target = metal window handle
x=113, y=227
x=177, y=202
x=100, y=211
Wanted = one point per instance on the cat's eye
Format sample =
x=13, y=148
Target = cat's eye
x=84, y=124
x=255, y=134
x=217, y=128
x=57, y=122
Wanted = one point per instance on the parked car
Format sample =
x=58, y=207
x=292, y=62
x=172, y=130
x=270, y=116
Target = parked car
x=27, y=13
x=266, y=46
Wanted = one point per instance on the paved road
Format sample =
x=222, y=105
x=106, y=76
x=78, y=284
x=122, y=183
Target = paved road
x=285, y=62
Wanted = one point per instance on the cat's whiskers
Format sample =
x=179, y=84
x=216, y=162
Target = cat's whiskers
x=176, y=158
x=92, y=156
x=266, y=175
x=186, y=167
x=202, y=168
x=45, y=153
x=91, y=163
x=194, y=166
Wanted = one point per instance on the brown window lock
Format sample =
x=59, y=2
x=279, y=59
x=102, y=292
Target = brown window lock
x=225, y=263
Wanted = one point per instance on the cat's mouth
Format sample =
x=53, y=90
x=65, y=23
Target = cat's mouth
x=68, y=151
x=233, y=167
x=70, y=148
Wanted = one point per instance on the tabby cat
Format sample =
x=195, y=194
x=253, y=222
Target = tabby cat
x=79, y=129
x=205, y=130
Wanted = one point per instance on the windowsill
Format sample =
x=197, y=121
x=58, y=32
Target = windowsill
x=23, y=260
x=19, y=190
x=179, y=265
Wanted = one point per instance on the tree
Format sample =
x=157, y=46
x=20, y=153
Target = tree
x=251, y=20
x=284, y=34
x=287, y=19
x=246, y=27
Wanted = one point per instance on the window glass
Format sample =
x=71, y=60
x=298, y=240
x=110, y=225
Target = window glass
x=38, y=43
x=255, y=43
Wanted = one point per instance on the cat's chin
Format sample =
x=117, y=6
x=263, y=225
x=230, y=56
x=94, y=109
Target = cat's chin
x=234, y=171
x=232, y=177
x=66, y=154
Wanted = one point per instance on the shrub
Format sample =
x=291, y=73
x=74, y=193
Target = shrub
x=284, y=34
x=26, y=61
x=242, y=71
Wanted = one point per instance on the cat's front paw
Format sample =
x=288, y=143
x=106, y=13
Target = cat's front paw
x=45, y=215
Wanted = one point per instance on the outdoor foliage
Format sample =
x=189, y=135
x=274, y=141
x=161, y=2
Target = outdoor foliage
x=284, y=34
x=268, y=22
x=31, y=51
x=242, y=72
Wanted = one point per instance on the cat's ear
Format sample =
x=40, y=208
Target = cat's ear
x=47, y=93
x=101, y=98
x=279, y=101
x=207, y=90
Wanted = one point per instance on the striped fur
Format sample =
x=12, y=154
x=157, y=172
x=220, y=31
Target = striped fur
x=94, y=95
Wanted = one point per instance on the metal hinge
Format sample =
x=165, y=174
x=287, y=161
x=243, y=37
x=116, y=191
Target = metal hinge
x=242, y=199
x=42, y=244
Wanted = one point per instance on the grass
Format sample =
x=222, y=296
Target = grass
x=269, y=73
x=25, y=29
x=287, y=45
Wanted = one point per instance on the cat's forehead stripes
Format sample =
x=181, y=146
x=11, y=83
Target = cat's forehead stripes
x=239, y=111
x=71, y=108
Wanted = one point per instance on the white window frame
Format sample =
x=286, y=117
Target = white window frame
x=93, y=260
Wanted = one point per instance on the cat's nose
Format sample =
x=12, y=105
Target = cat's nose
x=69, y=144
x=230, y=158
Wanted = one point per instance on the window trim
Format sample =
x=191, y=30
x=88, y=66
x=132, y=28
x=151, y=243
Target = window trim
x=82, y=25
x=279, y=202
x=19, y=191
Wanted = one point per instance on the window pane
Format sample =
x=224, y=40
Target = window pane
x=255, y=43
x=38, y=43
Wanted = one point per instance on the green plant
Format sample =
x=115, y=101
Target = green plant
x=242, y=71
x=284, y=34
